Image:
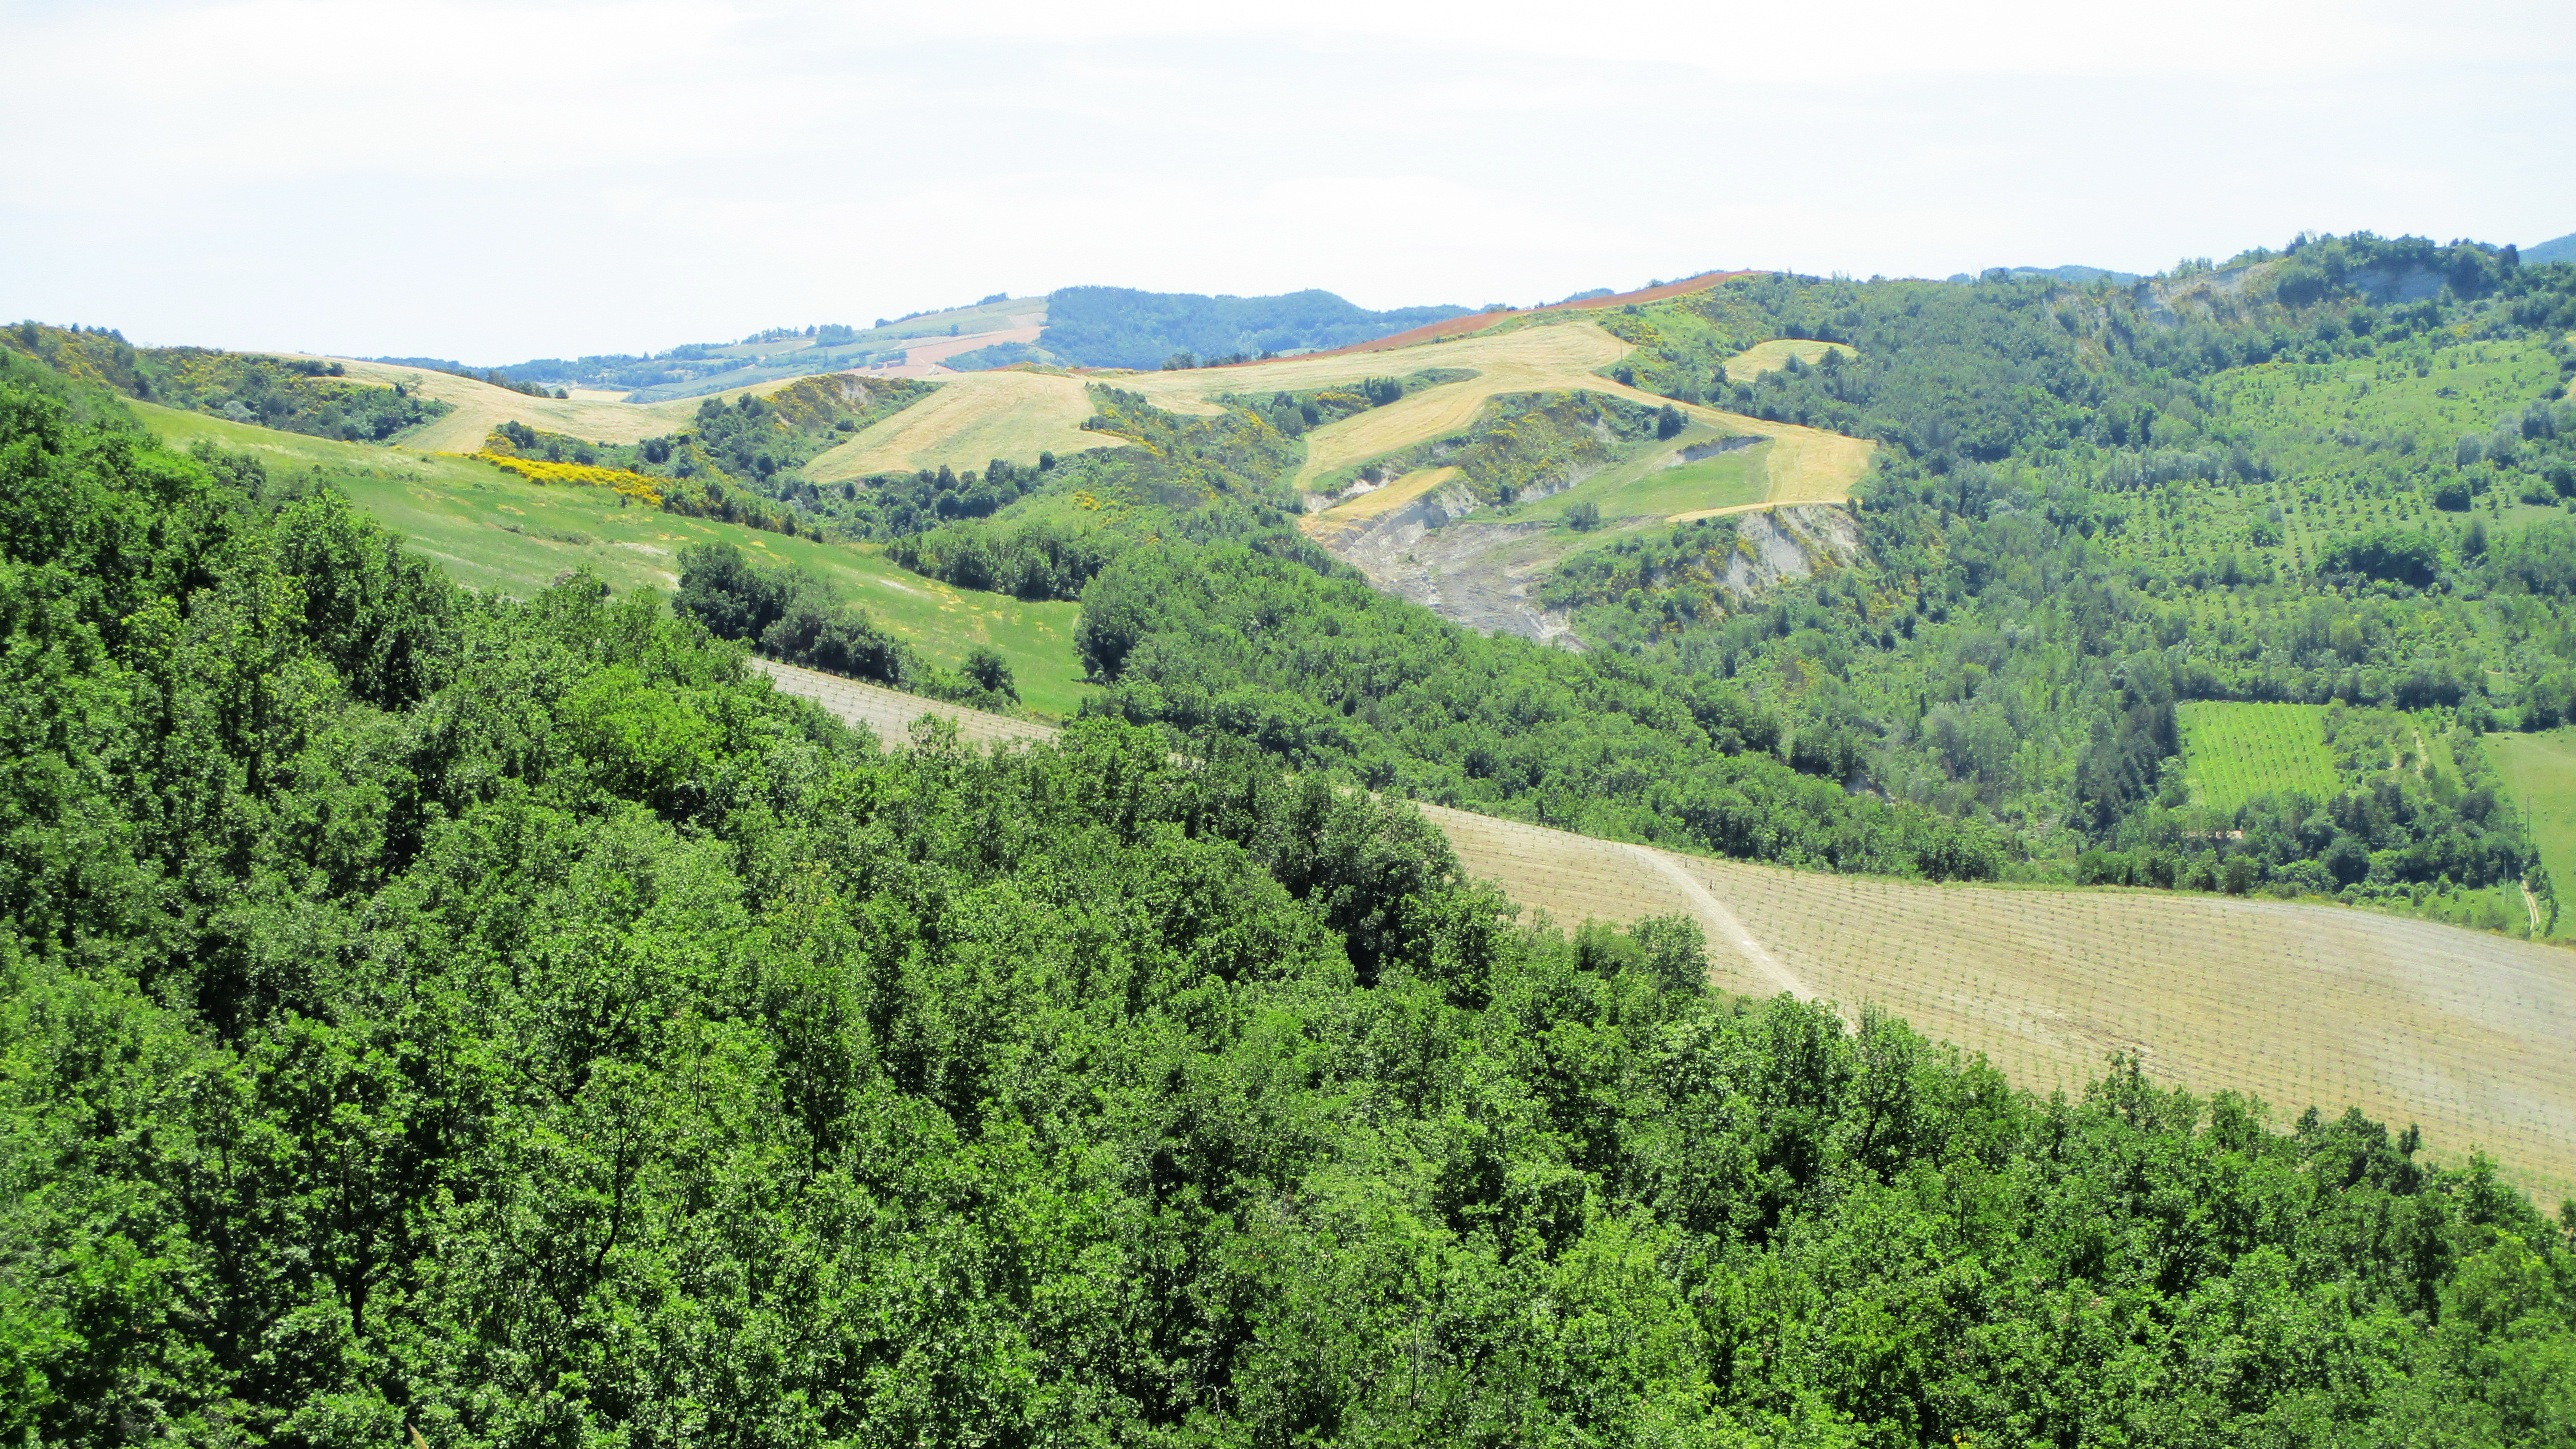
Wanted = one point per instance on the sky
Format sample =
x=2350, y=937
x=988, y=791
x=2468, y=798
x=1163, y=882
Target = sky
x=496, y=181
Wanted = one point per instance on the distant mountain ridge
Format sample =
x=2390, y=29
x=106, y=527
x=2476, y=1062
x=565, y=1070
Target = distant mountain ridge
x=1122, y=327
x=1075, y=326
x=2064, y=274
x=2557, y=249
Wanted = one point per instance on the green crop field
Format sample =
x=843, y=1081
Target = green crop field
x=492, y=530
x=2539, y=773
x=2234, y=752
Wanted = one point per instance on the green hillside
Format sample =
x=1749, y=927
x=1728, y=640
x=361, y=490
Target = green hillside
x=1082, y=326
x=699, y=368
x=2539, y=775
x=442, y=1018
x=2337, y=473
x=489, y=529
x=1122, y=327
x=2276, y=481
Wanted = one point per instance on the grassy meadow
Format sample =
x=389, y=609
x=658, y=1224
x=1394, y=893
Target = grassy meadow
x=1647, y=488
x=1770, y=356
x=494, y=531
x=2539, y=773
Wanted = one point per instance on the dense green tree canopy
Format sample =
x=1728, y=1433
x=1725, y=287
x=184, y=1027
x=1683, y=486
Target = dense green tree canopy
x=512, y=1022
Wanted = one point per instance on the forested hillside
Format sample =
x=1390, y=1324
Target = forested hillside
x=2337, y=474
x=510, y=1023
x=1121, y=327
x=293, y=394
x=2341, y=473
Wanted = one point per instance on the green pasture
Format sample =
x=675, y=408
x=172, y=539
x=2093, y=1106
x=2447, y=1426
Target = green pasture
x=495, y=531
x=2539, y=774
x=1643, y=488
x=2233, y=752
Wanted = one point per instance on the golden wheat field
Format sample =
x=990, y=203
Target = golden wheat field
x=972, y=419
x=1773, y=355
x=480, y=407
x=1352, y=516
x=1805, y=466
x=2469, y=1034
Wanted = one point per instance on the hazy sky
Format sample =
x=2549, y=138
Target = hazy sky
x=496, y=181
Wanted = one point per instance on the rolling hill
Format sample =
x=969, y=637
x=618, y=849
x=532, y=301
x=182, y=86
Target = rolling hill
x=492, y=530
x=2557, y=249
x=1076, y=326
x=435, y=1017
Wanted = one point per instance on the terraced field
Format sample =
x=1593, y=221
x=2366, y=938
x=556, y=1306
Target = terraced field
x=2466, y=1033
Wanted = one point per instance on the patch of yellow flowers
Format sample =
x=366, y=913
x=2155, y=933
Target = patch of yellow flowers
x=536, y=470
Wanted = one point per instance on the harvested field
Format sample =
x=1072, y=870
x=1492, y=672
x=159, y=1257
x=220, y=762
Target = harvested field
x=1773, y=355
x=1804, y=464
x=480, y=407
x=2463, y=1032
x=972, y=419
x=978, y=417
x=923, y=359
x=2467, y=1033
x=1482, y=321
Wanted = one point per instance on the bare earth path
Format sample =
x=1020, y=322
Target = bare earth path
x=2469, y=1034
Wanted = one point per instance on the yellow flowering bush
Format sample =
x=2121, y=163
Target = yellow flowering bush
x=637, y=486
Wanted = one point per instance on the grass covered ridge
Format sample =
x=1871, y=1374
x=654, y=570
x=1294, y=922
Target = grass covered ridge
x=491, y=530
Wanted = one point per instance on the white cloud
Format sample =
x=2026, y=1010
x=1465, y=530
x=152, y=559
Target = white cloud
x=491, y=181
